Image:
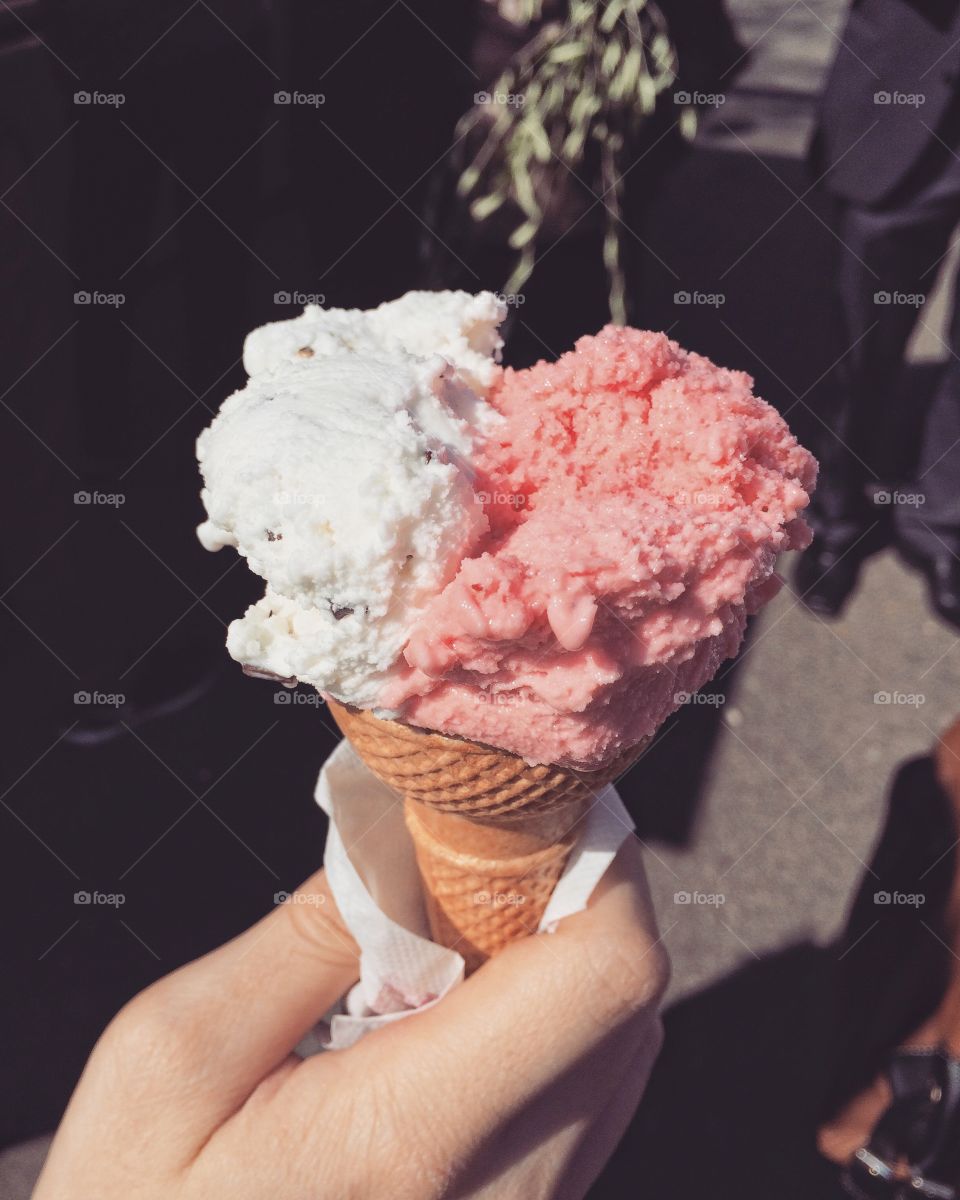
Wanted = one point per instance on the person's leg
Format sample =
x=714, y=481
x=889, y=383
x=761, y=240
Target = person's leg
x=882, y=277
x=885, y=269
x=930, y=526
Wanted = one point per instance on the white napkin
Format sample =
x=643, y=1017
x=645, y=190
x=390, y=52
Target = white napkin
x=372, y=871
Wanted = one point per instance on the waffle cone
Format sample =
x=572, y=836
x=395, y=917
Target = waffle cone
x=492, y=833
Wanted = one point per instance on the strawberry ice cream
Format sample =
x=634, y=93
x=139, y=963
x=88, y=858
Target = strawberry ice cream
x=630, y=501
x=638, y=497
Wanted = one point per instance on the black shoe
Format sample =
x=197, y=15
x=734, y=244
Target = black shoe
x=826, y=576
x=943, y=583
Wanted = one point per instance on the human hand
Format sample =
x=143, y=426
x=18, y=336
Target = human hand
x=520, y=1082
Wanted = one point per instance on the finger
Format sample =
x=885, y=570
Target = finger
x=221, y=1024
x=523, y=1020
x=548, y=1001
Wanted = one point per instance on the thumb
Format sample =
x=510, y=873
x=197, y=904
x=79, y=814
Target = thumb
x=532, y=1013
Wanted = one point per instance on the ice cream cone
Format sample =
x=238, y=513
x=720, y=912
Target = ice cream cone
x=492, y=833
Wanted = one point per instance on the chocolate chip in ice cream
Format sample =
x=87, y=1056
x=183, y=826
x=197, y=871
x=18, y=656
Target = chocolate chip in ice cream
x=273, y=537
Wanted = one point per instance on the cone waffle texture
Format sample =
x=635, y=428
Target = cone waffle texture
x=459, y=776
x=479, y=903
x=492, y=833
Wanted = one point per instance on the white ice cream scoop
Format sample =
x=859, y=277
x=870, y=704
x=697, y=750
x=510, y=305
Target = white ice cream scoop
x=344, y=478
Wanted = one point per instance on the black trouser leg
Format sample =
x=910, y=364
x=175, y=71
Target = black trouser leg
x=932, y=528
x=886, y=258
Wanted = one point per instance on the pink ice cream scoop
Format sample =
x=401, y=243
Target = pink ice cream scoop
x=637, y=497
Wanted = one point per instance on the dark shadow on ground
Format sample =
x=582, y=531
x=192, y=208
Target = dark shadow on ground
x=663, y=789
x=731, y=1108
x=752, y=1065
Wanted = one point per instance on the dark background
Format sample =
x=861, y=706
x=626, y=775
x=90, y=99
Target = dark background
x=200, y=198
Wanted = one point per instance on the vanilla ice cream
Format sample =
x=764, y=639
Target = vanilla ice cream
x=462, y=328
x=344, y=478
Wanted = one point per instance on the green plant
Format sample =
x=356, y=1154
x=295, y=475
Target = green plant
x=570, y=104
